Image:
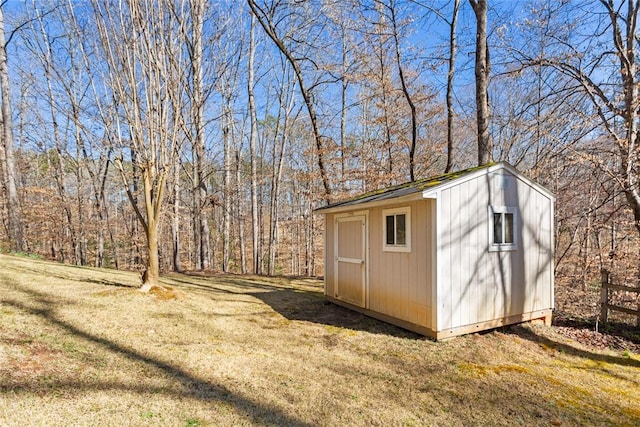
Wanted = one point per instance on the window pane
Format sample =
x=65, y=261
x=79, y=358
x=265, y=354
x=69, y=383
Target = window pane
x=390, y=228
x=497, y=228
x=401, y=230
x=508, y=228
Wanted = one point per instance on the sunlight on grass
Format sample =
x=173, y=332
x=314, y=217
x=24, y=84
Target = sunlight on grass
x=83, y=346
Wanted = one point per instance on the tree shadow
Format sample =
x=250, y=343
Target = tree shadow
x=617, y=329
x=111, y=283
x=530, y=335
x=312, y=307
x=223, y=284
x=191, y=385
x=306, y=304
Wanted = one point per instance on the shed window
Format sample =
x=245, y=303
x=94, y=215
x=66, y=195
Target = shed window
x=502, y=228
x=397, y=229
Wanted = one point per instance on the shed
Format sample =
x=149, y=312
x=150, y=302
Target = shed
x=447, y=255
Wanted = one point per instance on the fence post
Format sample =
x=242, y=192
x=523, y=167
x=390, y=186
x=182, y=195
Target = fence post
x=604, y=296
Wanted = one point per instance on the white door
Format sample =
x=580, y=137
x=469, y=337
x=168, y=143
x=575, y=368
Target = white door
x=350, y=261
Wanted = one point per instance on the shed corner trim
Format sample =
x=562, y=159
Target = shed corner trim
x=428, y=194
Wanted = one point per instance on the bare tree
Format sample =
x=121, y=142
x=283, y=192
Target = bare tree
x=450, y=79
x=253, y=134
x=61, y=162
x=482, y=69
x=144, y=55
x=281, y=136
x=391, y=8
x=616, y=99
x=226, y=185
x=268, y=23
x=15, y=228
x=196, y=53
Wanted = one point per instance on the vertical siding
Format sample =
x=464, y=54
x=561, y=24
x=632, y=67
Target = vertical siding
x=477, y=285
x=350, y=282
x=349, y=239
x=400, y=284
x=329, y=254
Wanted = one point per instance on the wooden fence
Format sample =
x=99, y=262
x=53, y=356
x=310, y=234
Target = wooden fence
x=605, y=298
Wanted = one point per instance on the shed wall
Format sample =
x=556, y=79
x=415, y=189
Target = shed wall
x=400, y=283
x=476, y=285
x=329, y=254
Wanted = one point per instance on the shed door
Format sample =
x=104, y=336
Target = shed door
x=350, y=261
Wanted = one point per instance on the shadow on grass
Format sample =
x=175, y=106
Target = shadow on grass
x=223, y=285
x=312, y=307
x=618, y=329
x=192, y=386
x=48, y=270
x=529, y=334
x=111, y=283
x=306, y=304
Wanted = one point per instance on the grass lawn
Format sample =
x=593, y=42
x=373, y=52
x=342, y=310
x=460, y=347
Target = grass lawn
x=81, y=346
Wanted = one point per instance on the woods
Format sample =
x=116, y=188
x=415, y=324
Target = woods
x=173, y=135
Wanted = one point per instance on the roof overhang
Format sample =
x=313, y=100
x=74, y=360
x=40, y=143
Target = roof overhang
x=367, y=205
x=433, y=191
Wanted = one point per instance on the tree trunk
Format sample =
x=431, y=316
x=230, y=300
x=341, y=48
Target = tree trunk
x=405, y=91
x=16, y=233
x=153, y=206
x=482, y=69
x=381, y=37
x=343, y=106
x=252, y=152
x=227, y=192
x=201, y=226
x=243, y=257
x=450, y=75
x=175, y=225
x=275, y=184
x=151, y=276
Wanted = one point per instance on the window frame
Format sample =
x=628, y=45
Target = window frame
x=406, y=247
x=502, y=210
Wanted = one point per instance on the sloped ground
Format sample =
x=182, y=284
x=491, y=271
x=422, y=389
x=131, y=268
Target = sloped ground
x=577, y=316
x=80, y=346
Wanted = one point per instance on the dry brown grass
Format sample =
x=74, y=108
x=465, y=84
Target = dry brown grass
x=80, y=346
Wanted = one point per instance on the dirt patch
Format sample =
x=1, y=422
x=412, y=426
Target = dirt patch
x=577, y=316
x=615, y=336
x=164, y=293
x=23, y=357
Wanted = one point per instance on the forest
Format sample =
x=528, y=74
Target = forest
x=199, y=135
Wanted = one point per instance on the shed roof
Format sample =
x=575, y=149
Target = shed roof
x=423, y=185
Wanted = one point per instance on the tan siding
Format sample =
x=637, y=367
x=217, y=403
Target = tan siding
x=399, y=282
x=350, y=263
x=350, y=288
x=329, y=255
x=349, y=241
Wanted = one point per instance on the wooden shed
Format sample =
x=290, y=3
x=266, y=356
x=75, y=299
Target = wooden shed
x=446, y=255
